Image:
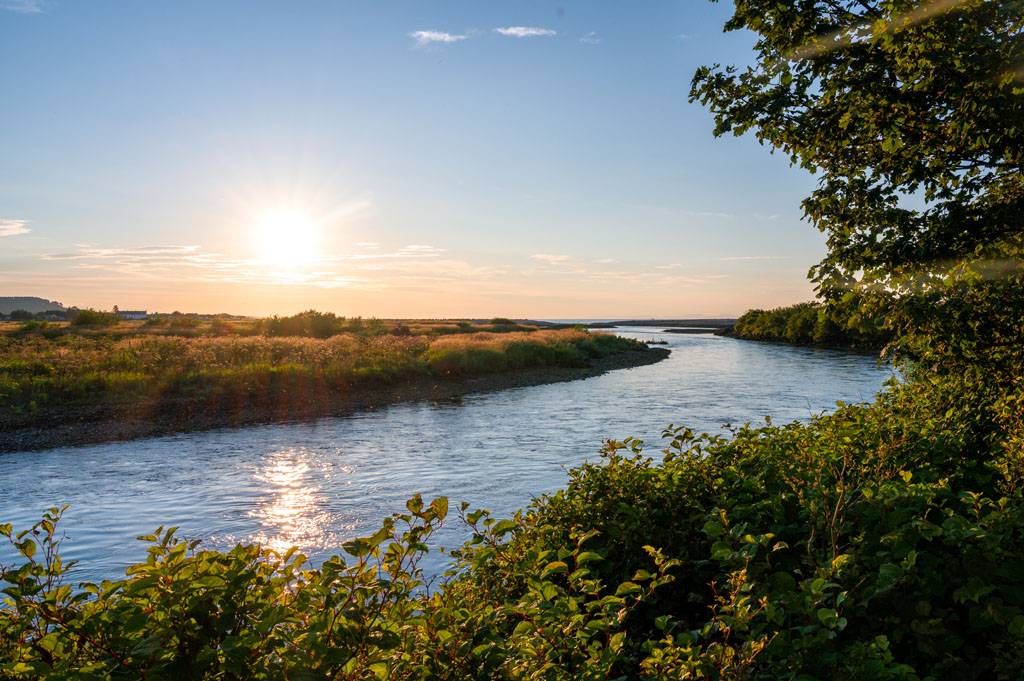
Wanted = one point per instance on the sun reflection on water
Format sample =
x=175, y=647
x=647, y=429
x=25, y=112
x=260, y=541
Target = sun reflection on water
x=293, y=511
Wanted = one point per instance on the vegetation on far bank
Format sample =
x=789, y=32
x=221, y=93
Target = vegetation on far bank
x=812, y=323
x=40, y=370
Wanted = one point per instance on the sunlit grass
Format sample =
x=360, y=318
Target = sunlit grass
x=37, y=371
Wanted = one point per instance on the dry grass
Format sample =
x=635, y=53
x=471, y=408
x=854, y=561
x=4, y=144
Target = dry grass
x=69, y=368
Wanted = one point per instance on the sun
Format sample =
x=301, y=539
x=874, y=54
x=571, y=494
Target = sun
x=287, y=238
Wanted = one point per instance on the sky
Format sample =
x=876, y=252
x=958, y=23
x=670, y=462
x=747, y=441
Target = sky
x=389, y=159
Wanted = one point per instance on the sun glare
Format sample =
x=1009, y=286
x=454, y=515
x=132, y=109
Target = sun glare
x=287, y=238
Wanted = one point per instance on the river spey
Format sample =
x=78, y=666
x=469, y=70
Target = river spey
x=315, y=484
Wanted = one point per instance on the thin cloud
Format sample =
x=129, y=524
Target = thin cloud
x=708, y=214
x=418, y=249
x=758, y=257
x=424, y=38
x=525, y=31
x=551, y=259
x=655, y=279
x=13, y=227
x=606, y=261
x=172, y=262
x=673, y=266
x=23, y=6
x=590, y=39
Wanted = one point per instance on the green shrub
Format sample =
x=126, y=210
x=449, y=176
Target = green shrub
x=309, y=324
x=92, y=317
x=182, y=321
x=839, y=323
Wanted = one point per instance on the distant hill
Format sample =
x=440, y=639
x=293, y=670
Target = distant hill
x=31, y=304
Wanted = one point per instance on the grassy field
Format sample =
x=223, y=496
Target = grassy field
x=53, y=366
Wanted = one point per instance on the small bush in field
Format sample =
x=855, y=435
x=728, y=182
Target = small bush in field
x=182, y=321
x=95, y=318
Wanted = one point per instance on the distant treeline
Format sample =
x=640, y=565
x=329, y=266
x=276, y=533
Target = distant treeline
x=314, y=324
x=811, y=323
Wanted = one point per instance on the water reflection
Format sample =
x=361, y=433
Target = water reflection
x=291, y=512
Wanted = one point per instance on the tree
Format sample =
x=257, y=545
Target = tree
x=912, y=116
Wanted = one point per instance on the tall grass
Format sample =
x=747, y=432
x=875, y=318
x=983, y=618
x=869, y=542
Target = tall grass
x=36, y=371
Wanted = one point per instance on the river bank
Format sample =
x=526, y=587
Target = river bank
x=91, y=424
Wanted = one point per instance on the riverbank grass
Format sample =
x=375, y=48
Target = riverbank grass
x=70, y=386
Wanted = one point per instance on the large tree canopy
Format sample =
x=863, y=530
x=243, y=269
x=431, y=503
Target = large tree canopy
x=912, y=115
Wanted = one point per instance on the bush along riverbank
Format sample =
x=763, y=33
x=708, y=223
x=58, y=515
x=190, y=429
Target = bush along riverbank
x=836, y=325
x=76, y=389
x=883, y=541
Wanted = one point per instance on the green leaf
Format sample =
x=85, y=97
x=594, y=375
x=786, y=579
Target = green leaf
x=440, y=507
x=627, y=588
x=357, y=547
x=713, y=528
x=553, y=568
x=147, y=646
x=503, y=527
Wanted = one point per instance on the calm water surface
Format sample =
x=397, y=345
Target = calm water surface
x=316, y=484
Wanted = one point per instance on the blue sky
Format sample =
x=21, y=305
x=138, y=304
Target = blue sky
x=430, y=159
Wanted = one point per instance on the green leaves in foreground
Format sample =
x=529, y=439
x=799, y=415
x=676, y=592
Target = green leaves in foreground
x=251, y=613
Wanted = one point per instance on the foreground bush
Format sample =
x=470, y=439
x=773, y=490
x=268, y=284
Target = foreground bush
x=883, y=541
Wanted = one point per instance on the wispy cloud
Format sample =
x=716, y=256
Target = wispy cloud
x=177, y=263
x=421, y=250
x=525, y=31
x=23, y=6
x=673, y=266
x=551, y=259
x=590, y=39
x=709, y=214
x=606, y=261
x=654, y=279
x=424, y=38
x=758, y=257
x=13, y=227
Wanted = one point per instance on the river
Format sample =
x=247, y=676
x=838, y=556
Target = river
x=315, y=484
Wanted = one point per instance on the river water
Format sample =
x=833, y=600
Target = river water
x=315, y=484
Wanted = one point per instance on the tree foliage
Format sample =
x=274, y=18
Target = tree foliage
x=811, y=323
x=912, y=115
